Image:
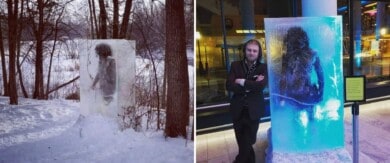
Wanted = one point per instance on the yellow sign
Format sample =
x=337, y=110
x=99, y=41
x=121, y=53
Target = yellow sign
x=354, y=88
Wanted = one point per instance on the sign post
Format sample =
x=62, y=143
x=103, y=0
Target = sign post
x=354, y=91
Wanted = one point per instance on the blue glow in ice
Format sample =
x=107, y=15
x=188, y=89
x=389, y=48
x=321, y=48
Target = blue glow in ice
x=304, y=57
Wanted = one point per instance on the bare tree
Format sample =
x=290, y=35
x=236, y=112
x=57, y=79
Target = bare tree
x=99, y=28
x=115, y=24
x=94, y=22
x=19, y=35
x=126, y=18
x=38, y=33
x=3, y=66
x=92, y=17
x=147, y=27
x=103, y=20
x=32, y=22
x=95, y=19
x=44, y=18
x=12, y=29
x=56, y=29
x=177, y=70
x=20, y=73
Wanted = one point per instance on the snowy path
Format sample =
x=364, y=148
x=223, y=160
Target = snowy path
x=49, y=131
x=30, y=122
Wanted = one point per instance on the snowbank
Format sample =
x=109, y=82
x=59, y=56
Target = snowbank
x=48, y=131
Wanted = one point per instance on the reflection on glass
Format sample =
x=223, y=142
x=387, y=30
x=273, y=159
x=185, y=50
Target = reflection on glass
x=374, y=55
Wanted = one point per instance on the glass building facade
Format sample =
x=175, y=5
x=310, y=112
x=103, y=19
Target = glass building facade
x=244, y=19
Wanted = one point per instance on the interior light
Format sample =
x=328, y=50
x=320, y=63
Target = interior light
x=198, y=36
x=245, y=31
x=369, y=5
x=383, y=31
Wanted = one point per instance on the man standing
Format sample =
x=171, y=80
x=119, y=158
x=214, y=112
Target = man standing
x=247, y=79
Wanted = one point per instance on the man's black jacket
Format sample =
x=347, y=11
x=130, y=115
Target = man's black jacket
x=249, y=95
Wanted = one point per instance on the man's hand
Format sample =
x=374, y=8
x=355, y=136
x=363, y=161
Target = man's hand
x=240, y=81
x=260, y=78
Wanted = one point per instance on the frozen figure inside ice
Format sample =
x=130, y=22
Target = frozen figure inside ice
x=302, y=78
x=106, y=74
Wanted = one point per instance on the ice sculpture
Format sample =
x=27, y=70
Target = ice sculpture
x=107, y=74
x=304, y=57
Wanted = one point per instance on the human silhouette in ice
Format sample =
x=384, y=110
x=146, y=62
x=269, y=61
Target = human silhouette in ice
x=106, y=74
x=302, y=78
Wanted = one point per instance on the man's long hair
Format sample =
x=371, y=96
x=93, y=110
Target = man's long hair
x=296, y=57
x=103, y=50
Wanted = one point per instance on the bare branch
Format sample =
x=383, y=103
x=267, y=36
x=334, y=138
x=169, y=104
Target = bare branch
x=63, y=85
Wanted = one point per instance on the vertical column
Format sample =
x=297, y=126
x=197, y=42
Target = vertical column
x=281, y=8
x=380, y=25
x=319, y=7
x=247, y=17
x=380, y=19
x=357, y=27
x=329, y=8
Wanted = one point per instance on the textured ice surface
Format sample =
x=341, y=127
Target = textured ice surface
x=97, y=101
x=305, y=116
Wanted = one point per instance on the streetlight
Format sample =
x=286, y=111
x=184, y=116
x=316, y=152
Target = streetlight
x=201, y=69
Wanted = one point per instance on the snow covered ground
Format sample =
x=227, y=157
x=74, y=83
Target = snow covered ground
x=53, y=131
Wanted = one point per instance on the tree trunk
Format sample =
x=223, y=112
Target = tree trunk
x=52, y=52
x=39, y=93
x=103, y=20
x=3, y=66
x=18, y=64
x=115, y=25
x=12, y=26
x=176, y=64
x=164, y=91
x=126, y=17
x=50, y=64
x=97, y=33
x=91, y=17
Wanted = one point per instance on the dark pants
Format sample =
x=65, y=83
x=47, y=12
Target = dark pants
x=245, y=130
